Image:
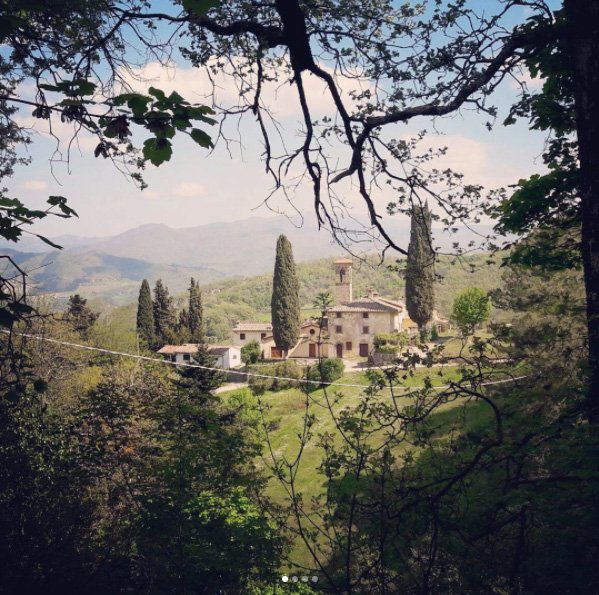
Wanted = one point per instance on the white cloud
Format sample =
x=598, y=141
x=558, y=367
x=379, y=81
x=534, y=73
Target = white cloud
x=523, y=78
x=34, y=185
x=189, y=190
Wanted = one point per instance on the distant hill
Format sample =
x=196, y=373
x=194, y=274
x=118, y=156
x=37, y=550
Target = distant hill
x=240, y=248
x=93, y=274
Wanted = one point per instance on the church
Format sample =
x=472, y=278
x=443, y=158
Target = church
x=349, y=329
x=353, y=323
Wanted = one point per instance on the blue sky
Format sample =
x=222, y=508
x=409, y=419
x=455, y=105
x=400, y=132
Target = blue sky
x=198, y=187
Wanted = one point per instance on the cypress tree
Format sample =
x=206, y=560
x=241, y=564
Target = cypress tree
x=285, y=304
x=164, y=315
x=145, y=314
x=195, y=318
x=183, y=327
x=420, y=269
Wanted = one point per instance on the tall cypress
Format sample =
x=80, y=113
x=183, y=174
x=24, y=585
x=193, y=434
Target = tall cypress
x=164, y=315
x=195, y=313
x=285, y=303
x=145, y=314
x=420, y=269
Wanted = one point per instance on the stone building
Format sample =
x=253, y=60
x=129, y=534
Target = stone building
x=353, y=323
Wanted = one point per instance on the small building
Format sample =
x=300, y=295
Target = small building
x=227, y=357
x=246, y=331
x=313, y=342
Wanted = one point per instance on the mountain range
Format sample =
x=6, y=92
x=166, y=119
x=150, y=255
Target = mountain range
x=112, y=268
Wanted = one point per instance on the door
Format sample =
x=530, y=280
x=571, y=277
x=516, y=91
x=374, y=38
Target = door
x=311, y=350
x=339, y=350
x=363, y=349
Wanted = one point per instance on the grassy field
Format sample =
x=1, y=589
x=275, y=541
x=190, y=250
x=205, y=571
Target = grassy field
x=286, y=410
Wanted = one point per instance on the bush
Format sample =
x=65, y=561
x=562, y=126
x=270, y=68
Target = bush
x=327, y=370
x=398, y=340
x=250, y=352
x=284, y=369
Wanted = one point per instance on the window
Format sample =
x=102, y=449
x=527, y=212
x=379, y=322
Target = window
x=242, y=336
x=348, y=346
x=338, y=314
x=312, y=331
x=262, y=335
x=338, y=329
x=186, y=357
x=365, y=329
x=364, y=314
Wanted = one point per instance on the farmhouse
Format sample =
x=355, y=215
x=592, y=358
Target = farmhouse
x=348, y=329
x=227, y=357
x=353, y=323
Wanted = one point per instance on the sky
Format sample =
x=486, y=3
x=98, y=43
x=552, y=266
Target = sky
x=229, y=183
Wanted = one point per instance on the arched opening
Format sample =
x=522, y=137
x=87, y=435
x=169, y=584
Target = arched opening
x=339, y=350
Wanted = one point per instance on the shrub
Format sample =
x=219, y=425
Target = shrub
x=397, y=340
x=284, y=369
x=250, y=352
x=327, y=370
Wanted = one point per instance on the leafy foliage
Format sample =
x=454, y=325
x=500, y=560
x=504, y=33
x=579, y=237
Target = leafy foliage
x=250, y=352
x=470, y=308
x=326, y=370
x=79, y=316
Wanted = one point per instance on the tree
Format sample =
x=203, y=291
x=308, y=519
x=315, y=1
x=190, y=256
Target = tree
x=164, y=315
x=145, y=314
x=470, y=308
x=195, y=320
x=250, y=352
x=441, y=73
x=285, y=304
x=79, y=316
x=420, y=272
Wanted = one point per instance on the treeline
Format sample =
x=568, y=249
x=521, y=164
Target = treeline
x=226, y=302
x=159, y=323
x=118, y=476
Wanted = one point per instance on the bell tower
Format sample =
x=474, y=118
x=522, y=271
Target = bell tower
x=342, y=290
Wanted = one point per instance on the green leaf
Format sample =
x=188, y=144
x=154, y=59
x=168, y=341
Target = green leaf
x=157, y=93
x=46, y=87
x=199, y=7
x=200, y=137
x=157, y=150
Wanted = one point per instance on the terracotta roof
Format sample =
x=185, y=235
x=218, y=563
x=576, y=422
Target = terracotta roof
x=246, y=325
x=185, y=348
x=191, y=348
x=343, y=261
x=368, y=304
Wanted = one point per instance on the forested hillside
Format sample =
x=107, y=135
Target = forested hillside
x=227, y=301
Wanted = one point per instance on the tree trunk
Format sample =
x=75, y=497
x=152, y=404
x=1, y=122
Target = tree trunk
x=582, y=17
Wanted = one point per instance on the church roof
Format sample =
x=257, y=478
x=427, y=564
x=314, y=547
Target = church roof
x=369, y=304
x=247, y=325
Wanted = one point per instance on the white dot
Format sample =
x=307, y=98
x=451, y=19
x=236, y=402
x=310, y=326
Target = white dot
x=284, y=578
x=294, y=579
x=314, y=579
x=304, y=579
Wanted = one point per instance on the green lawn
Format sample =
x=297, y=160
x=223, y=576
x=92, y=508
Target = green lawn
x=287, y=409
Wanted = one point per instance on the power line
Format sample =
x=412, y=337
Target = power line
x=247, y=374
